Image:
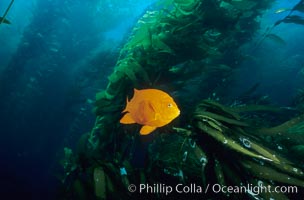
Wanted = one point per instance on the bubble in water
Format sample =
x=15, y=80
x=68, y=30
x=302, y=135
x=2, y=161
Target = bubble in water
x=246, y=142
x=203, y=160
x=185, y=156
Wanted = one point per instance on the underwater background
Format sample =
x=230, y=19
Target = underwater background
x=67, y=66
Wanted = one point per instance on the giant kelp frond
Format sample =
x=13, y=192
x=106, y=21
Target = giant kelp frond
x=178, y=155
x=220, y=149
x=231, y=141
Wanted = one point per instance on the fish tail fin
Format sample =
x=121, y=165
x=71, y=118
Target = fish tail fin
x=127, y=119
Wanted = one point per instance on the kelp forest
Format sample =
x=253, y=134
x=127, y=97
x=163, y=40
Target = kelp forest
x=189, y=49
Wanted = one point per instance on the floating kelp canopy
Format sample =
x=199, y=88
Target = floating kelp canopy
x=212, y=143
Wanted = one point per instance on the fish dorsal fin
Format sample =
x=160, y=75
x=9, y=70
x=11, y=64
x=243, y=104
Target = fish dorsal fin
x=145, y=130
x=127, y=119
x=127, y=103
x=135, y=91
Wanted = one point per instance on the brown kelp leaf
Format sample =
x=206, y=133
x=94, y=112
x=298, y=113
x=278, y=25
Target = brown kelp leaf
x=103, y=95
x=186, y=7
x=210, y=121
x=265, y=152
x=222, y=119
x=141, y=37
x=265, y=172
x=219, y=108
x=299, y=7
x=99, y=182
x=292, y=19
x=231, y=175
x=228, y=142
x=110, y=184
x=282, y=128
x=126, y=69
x=159, y=45
x=219, y=172
x=277, y=39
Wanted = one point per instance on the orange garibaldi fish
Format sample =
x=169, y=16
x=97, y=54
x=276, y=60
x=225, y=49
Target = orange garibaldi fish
x=151, y=108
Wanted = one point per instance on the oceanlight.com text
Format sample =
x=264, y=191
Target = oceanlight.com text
x=254, y=189
x=159, y=188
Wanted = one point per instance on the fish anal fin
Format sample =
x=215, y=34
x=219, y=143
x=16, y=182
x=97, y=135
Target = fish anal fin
x=145, y=130
x=127, y=119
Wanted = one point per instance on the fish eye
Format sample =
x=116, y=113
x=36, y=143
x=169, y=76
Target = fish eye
x=170, y=105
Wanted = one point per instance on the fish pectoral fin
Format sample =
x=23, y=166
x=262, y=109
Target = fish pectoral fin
x=145, y=130
x=127, y=119
x=151, y=106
